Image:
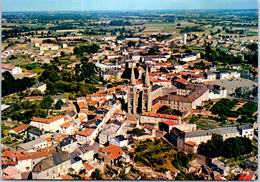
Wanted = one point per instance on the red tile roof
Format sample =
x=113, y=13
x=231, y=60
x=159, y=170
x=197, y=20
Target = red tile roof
x=66, y=177
x=34, y=155
x=82, y=118
x=190, y=143
x=244, y=177
x=87, y=132
x=168, y=116
x=88, y=167
x=112, y=152
x=8, y=66
x=47, y=121
x=21, y=128
x=84, y=177
x=183, y=81
x=170, y=122
x=157, y=106
x=7, y=177
x=65, y=125
x=154, y=81
x=11, y=171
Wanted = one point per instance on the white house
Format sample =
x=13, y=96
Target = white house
x=40, y=86
x=11, y=68
x=86, y=136
x=119, y=140
x=68, y=128
x=52, y=124
x=52, y=167
x=246, y=131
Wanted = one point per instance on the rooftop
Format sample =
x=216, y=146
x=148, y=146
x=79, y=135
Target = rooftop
x=21, y=128
x=222, y=131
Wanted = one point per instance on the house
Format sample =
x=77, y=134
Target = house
x=86, y=136
x=34, y=145
x=26, y=162
x=10, y=158
x=68, y=128
x=247, y=131
x=87, y=152
x=21, y=130
x=89, y=169
x=119, y=140
x=167, y=125
x=68, y=144
x=50, y=124
x=110, y=155
x=108, y=132
x=34, y=132
x=11, y=173
x=189, y=57
x=180, y=137
x=76, y=161
x=43, y=141
x=71, y=114
x=39, y=86
x=247, y=174
x=52, y=167
x=11, y=68
x=190, y=147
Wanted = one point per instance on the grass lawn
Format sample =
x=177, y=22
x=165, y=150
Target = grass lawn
x=158, y=154
x=17, y=62
x=160, y=27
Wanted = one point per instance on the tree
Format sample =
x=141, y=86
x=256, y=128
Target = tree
x=164, y=70
x=47, y=102
x=130, y=44
x=96, y=174
x=62, y=54
x=58, y=104
x=168, y=110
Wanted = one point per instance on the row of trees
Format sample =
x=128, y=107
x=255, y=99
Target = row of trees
x=89, y=49
x=219, y=55
x=231, y=147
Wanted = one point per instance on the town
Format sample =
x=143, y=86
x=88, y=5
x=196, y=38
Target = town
x=154, y=95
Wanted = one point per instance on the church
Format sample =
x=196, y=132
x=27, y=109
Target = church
x=142, y=95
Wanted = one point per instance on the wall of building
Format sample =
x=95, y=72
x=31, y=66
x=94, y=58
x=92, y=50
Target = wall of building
x=53, y=172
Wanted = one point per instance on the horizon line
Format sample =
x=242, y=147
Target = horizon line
x=125, y=10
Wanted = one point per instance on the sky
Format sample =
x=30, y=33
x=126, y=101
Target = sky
x=96, y=5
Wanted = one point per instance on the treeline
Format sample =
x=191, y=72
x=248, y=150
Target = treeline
x=89, y=49
x=161, y=37
x=119, y=23
x=11, y=85
x=231, y=147
x=191, y=29
x=219, y=55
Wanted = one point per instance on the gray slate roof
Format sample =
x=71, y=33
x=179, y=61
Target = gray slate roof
x=52, y=161
x=209, y=132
